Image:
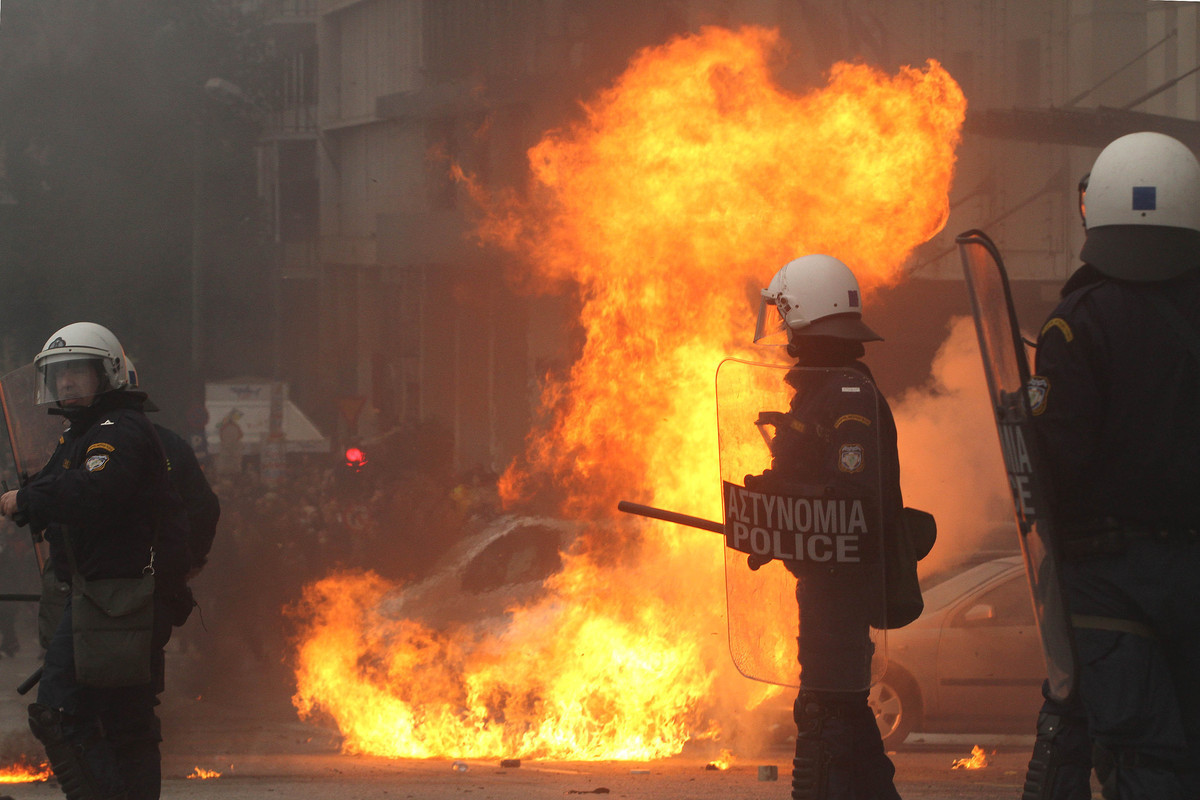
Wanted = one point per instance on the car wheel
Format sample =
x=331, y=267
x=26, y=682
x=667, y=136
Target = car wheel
x=896, y=702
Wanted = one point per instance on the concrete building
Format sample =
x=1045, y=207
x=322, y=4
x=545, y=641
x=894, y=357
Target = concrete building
x=414, y=323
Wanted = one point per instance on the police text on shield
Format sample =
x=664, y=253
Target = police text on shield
x=815, y=529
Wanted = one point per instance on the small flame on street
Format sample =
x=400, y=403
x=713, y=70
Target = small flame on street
x=25, y=771
x=203, y=774
x=977, y=760
x=723, y=762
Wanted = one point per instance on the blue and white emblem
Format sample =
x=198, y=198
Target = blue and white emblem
x=1039, y=390
x=851, y=458
x=95, y=463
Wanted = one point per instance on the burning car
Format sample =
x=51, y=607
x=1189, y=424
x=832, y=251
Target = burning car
x=504, y=564
x=972, y=661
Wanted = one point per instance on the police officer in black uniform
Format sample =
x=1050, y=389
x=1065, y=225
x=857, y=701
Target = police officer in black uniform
x=822, y=445
x=201, y=503
x=103, y=499
x=1117, y=416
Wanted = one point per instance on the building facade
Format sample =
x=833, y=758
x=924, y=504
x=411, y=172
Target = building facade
x=413, y=324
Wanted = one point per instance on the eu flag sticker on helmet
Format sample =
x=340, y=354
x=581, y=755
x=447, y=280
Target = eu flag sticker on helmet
x=1144, y=198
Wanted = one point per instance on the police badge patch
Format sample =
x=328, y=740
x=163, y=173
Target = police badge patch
x=95, y=463
x=851, y=458
x=1039, y=390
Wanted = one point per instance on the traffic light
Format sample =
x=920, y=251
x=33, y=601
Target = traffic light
x=356, y=459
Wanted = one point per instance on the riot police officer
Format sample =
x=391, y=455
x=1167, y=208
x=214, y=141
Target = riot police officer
x=837, y=430
x=104, y=500
x=190, y=483
x=1117, y=390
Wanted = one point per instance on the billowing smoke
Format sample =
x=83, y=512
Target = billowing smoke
x=950, y=460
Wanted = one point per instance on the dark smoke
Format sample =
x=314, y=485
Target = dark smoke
x=104, y=125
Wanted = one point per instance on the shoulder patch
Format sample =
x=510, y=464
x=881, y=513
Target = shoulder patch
x=851, y=458
x=101, y=446
x=1061, y=324
x=1039, y=392
x=852, y=418
x=95, y=463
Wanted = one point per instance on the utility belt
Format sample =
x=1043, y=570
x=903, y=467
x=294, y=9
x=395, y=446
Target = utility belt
x=1111, y=537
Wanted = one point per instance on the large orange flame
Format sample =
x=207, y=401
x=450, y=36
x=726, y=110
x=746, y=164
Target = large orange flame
x=687, y=185
x=676, y=197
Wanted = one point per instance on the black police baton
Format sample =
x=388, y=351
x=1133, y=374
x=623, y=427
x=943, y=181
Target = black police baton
x=30, y=682
x=671, y=516
x=754, y=561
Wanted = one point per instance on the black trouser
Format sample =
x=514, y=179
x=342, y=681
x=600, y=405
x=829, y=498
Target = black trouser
x=114, y=732
x=1140, y=691
x=839, y=753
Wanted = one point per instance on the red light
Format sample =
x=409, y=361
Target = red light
x=355, y=457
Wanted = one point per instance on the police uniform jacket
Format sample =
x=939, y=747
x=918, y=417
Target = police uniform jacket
x=843, y=436
x=840, y=441
x=104, y=487
x=1116, y=404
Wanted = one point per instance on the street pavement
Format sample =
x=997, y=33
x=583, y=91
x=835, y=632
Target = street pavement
x=245, y=735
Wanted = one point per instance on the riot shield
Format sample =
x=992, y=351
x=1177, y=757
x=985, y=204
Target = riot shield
x=32, y=433
x=32, y=436
x=802, y=503
x=1010, y=390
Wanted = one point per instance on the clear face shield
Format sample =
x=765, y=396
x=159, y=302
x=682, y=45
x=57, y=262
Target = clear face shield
x=1083, y=185
x=770, y=328
x=70, y=380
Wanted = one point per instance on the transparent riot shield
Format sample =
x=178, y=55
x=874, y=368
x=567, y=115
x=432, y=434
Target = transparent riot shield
x=1009, y=386
x=801, y=490
x=32, y=436
x=32, y=433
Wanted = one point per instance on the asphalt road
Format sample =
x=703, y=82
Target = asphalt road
x=245, y=733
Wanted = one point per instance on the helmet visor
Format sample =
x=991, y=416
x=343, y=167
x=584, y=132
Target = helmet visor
x=771, y=327
x=1083, y=185
x=69, y=380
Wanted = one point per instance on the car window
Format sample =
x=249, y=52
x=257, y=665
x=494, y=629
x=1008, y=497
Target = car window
x=1009, y=602
x=942, y=588
x=527, y=553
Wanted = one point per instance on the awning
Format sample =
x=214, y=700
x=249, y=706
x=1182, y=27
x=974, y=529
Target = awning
x=246, y=405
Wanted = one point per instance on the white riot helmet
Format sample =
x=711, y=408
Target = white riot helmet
x=814, y=295
x=79, y=342
x=1141, y=208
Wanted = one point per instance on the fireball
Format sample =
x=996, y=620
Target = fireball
x=664, y=208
